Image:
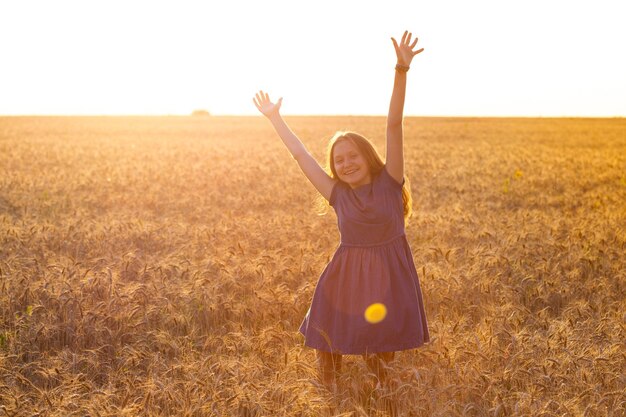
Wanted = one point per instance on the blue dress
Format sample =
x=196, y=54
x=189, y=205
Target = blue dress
x=373, y=264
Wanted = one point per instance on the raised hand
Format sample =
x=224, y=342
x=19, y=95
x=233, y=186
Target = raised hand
x=405, y=50
x=264, y=104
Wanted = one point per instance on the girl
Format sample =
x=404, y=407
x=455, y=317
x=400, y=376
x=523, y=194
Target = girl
x=368, y=300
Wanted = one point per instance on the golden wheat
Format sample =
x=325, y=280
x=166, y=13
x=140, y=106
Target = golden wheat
x=162, y=266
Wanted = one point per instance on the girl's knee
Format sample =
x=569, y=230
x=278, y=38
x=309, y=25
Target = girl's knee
x=329, y=361
x=378, y=362
x=387, y=356
x=329, y=366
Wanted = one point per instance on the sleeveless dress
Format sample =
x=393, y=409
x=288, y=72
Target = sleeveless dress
x=373, y=264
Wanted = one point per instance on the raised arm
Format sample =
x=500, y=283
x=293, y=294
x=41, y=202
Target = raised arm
x=313, y=171
x=405, y=51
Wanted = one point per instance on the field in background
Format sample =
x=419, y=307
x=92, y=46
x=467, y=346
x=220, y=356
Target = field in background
x=162, y=266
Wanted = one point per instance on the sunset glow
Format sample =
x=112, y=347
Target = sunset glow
x=485, y=58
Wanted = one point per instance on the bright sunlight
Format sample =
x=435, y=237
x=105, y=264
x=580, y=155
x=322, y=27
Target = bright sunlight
x=481, y=58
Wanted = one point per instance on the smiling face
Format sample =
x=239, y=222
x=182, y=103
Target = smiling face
x=350, y=164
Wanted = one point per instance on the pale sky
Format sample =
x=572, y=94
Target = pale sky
x=481, y=58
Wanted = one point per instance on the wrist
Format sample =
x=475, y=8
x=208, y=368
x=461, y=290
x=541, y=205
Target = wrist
x=402, y=68
x=274, y=116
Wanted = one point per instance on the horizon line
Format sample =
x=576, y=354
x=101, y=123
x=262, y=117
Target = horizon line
x=210, y=115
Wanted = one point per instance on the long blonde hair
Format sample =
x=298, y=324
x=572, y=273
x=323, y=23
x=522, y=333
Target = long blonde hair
x=373, y=159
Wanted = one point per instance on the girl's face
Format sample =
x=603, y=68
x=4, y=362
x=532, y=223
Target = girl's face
x=350, y=165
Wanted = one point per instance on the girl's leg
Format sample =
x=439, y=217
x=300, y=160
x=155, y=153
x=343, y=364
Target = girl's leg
x=329, y=367
x=377, y=363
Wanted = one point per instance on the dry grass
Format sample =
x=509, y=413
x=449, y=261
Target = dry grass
x=162, y=266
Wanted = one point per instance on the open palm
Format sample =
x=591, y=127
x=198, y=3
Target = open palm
x=405, y=50
x=264, y=104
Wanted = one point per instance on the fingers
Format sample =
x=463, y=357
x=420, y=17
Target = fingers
x=257, y=102
x=263, y=103
x=262, y=97
x=395, y=44
x=406, y=39
x=406, y=42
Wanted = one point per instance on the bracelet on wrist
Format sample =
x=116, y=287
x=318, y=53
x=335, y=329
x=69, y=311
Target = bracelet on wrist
x=402, y=68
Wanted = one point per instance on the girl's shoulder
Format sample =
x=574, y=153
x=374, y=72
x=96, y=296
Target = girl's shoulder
x=339, y=188
x=386, y=178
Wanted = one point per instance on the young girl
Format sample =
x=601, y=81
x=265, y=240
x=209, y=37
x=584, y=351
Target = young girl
x=368, y=300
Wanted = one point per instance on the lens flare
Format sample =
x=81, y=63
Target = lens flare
x=375, y=313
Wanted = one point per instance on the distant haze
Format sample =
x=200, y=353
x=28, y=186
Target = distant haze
x=481, y=58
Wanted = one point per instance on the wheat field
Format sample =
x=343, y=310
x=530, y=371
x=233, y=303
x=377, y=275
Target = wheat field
x=161, y=266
